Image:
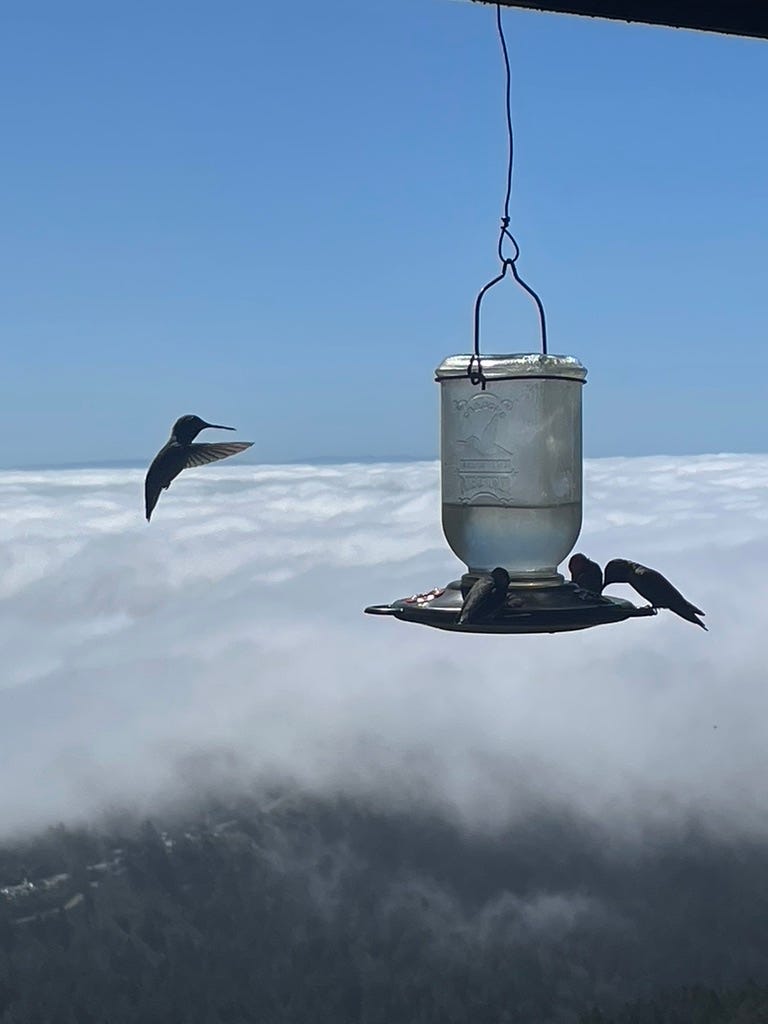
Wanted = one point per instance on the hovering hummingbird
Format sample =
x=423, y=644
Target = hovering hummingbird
x=179, y=453
x=653, y=587
x=486, y=597
x=586, y=574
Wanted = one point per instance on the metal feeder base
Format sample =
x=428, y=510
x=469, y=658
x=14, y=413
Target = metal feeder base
x=546, y=609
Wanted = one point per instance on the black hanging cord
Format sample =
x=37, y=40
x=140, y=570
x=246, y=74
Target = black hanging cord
x=508, y=263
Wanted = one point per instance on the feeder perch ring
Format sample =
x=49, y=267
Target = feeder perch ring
x=557, y=609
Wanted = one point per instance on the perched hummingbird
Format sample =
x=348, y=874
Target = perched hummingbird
x=585, y=573
x=179, y=453
x=653, y=587
x=486, y=597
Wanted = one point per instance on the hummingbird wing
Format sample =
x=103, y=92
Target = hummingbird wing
x=174, y=457
x=662, y=594
x=201, y=454
x=477, y=599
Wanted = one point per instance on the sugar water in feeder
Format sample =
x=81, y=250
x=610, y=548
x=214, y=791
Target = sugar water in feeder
x=511, y=463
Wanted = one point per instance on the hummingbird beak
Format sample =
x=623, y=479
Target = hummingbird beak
x=218, y=426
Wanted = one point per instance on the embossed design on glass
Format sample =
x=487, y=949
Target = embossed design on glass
x=484, y=465
x=511, y=462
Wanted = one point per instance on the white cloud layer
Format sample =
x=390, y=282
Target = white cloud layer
x=233, y=624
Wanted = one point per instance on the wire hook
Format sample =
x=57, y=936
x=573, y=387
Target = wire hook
x=508, y=263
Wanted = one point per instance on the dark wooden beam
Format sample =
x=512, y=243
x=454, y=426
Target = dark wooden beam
x=733, y=17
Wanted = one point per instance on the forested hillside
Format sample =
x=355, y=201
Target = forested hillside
x=291, y=910
x=699, y=1005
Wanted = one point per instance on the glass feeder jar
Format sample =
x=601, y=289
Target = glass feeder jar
x=511, y=463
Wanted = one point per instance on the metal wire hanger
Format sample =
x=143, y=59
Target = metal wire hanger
x=508, y=263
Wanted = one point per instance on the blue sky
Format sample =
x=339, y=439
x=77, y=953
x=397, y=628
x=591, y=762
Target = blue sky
x=278, y=215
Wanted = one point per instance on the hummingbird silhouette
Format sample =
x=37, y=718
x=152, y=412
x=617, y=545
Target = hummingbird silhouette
x=486, y=598
x=180, y=453
x=653, y=587
x=586, y=574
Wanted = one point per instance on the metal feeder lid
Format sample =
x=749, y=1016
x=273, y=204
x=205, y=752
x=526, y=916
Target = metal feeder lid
x=510, y=367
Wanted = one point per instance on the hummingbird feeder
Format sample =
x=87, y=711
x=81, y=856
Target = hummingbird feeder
x=511, y=472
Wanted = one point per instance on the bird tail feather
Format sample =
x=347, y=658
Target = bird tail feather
x=692, y=615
